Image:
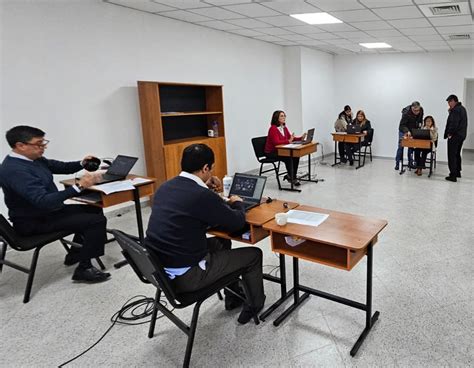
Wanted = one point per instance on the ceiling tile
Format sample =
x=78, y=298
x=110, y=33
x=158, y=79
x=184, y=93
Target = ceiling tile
x=295, y=37
x=402, y=12
x=418, y=31
x=185, y=15
x=323, y=36
x=291, y=7
x=183, y=4
x=252, y=10
x=350, y=35
x=409, y=48
x=274, y=31
x=286, y=43
x=355, y=15
x=452, y=21
x=461, y=42
x=384, y=33
x=368, y=26
x=338, y=27
x=246, y=32
x=218, y=24
x=226, y=2
x=312, y=43
x=304, y=29
x=462, y=48
x=410, y=23
x=268, y=38
x=437, y=48
x=436, y=1
x=217, y=13
x=455, y=29
x=144, y=5
x=432, y=43
x=282, y=21
x=433, y=37
x=385, y=3
x=332, y=5
x=248, y=23
x=340, y=41
x=395, y=41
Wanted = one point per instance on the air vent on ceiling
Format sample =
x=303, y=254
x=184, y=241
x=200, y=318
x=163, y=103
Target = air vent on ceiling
x=445, y=10
x=460, y=37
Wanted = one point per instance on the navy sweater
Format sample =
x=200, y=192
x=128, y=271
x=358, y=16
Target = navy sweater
x=29, y=188
x=181, y=213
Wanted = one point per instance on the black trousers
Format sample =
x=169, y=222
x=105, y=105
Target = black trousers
x=454, y=155
x=342, y=151
x=287, y=161
x=221, y=261
x=420, y=157
x=87, y=222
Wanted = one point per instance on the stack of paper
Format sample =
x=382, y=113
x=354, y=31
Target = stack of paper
x=306, y=218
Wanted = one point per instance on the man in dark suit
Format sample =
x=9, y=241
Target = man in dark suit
x=455, y=133
x=35, y=205
x=183, y=209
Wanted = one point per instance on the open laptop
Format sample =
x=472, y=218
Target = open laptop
x=249, y=188
x=308, y=139
x=421, y=133
x=353, y=129
x=119, y=169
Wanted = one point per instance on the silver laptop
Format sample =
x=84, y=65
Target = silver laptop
x=308, y=139
x=249, y=188
x=119, y=169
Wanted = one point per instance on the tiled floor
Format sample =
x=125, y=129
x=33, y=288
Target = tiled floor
x=423, y=288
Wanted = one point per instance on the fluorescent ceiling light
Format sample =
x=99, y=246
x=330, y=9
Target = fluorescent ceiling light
x=316, y=18
x=376, y=45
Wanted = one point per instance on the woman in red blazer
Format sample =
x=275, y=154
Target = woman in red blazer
x=279, y=134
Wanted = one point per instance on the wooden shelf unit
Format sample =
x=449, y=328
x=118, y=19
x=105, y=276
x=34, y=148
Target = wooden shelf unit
x=175, y=115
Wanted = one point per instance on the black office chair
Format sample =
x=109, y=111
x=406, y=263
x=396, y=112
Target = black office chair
x=8, y=236
x=367, y=143
x=433, y=153
x=258, y=144
x=149, y=271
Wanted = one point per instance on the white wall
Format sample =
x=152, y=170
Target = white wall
x=293, y=94
x=469, y=104
x=382, y=85
x=71, y=69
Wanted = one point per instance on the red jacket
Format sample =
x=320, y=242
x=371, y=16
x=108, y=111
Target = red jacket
x=274, y=138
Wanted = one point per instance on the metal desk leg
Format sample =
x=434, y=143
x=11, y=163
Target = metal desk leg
x=369, y=318
x=335, y=154
x=360, y=151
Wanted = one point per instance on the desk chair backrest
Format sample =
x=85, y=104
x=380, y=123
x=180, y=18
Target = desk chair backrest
x=147, y=269
x=258, y=144
x=370, y=137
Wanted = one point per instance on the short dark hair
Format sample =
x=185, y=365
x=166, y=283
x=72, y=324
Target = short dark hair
x=276, y=116
x=195, y=157
x=23, y=134
x=347, y=108
x=452, y=97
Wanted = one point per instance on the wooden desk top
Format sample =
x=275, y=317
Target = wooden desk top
x=416, y=143
x=340, y=229
x=300, y=151
x=299, y=147
x=69, y=182
x=266, y=211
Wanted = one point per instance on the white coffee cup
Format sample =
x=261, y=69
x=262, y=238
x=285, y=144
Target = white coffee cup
x=210, y=133
x=281, y=218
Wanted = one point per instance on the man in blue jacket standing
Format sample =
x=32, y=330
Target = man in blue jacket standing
x=412, y=118
x=35, y=205
x=183, y=209
x=455, y=133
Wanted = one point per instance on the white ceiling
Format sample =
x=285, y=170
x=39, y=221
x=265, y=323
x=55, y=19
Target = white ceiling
x=400, y=23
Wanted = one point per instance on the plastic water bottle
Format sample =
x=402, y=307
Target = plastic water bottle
x=227, y=183
x=215, y=128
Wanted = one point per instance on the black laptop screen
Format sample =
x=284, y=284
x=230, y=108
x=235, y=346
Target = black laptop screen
x=122, y=165
x=248, y=187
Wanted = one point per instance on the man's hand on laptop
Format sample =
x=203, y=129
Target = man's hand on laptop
x=88, y=180
x=234, y=199
x=215, y=184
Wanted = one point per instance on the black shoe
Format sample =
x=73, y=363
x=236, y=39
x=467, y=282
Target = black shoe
x=458, y=175
x=232, y=302
x=351, y=163
x=397, y=166
x=90, y=274
x=296, y=183
x=286, y=177
x=343, y=160
x=71, y=258
x=246, y=315
x=451, y=178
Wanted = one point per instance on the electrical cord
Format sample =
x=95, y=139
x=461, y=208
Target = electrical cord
x=134, y=310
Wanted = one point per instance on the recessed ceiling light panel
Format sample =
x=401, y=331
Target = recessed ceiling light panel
x=316, y=18
x=376, y=45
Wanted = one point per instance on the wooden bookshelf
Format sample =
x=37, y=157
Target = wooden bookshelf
x=175, y=115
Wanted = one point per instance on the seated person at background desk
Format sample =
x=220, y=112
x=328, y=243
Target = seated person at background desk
x=279, y=134
x=35, y=206
x=183, y=209
x=344, y=118
x=412, y=116
x=364, y=125
x=420, y=153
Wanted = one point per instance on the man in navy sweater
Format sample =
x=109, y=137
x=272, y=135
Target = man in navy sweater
x=36, y=206
x=183, y=209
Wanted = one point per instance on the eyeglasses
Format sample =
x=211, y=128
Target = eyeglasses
x=40, y=144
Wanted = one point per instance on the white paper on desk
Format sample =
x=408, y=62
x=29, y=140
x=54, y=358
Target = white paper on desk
x=115, y=186
x=139, y=180
x=306, y=218
x=292, y=145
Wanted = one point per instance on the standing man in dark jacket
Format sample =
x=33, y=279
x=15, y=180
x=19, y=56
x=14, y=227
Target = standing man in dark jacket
x=412, y=118
x=455, y=133
x=183, y=209
x=35, y=206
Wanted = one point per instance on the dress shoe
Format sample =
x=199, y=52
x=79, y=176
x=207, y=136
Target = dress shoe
x=351, y=163
x=90, y=274
x=343, y=160
x=458, y=175
x=397, y=166
x=286, y=177
x=246, y=315
x=232, y=302
x=418, y=172
x=451, y=178
x=296, y=183
x=71, y=258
